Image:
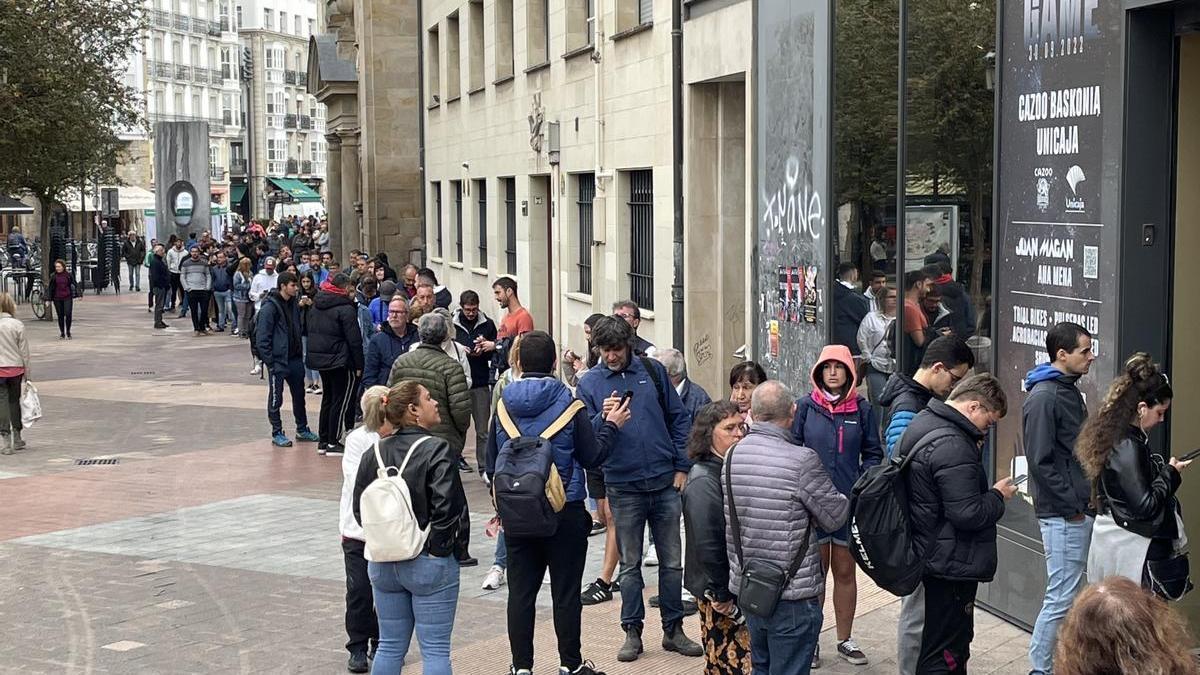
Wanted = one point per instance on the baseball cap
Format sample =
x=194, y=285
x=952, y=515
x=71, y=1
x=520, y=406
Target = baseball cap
x=386, y=290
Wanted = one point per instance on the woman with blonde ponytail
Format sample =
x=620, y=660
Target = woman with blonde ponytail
x=1138, y=532
x=362, y=627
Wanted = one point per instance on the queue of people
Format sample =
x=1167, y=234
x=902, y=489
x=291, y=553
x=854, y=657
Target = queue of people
x=761, y=479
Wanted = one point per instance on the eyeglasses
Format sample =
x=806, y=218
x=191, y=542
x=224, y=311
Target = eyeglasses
x=400, y=313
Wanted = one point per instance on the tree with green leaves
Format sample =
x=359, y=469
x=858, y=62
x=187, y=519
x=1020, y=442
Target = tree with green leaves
x=63, y=95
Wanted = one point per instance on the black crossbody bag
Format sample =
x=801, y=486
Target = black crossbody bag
x=763, y=581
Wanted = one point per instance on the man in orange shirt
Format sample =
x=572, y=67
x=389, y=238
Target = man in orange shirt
x=916, y=326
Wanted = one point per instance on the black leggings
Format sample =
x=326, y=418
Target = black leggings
x=62, y=308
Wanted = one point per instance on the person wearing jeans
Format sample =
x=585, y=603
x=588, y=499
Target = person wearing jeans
x=1051, y=416
x=791, y=632
x=277, y=341
x=160, y=283
x=196, y=277
x=222, y=286
x=476, y=333
x=418, y=595
x=643, y=476
x=62, y=292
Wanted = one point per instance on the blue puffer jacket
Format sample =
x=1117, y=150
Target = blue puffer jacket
x=844, y=434
x=652, y=445
x=382, y=351
x=534, y=402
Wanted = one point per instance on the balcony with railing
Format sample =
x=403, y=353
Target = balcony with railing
x=289, y=77
x=289, y=121
x=181, y=22
x=226, y=71
x=293, y=166
x=306, y=122
x=214, y=123
x=183, y=72
x=216, y=173
x=237, y=167
x=160, y=19
x=306, y=167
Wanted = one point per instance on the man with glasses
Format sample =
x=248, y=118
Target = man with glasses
x=628, y=310
x=396, y=337
x=945, y=363
x=477, y=333
x=954, y=514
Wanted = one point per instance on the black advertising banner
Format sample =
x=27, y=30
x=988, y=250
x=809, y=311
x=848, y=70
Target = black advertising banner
x=1058, y=195
x=792, y=66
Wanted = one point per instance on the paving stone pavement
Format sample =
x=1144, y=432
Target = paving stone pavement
x=206, y=550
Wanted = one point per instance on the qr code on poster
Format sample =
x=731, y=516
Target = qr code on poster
x=1091, y=262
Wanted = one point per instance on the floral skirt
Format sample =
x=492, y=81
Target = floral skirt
x=726, y=644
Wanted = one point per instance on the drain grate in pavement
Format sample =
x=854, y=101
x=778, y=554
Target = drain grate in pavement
x=96, y=461
x=141, y=372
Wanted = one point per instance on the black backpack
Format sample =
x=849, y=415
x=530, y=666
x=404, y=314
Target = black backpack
x=882, y=540
x=527, y=490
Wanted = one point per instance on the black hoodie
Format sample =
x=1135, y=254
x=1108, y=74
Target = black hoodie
x=334, y=338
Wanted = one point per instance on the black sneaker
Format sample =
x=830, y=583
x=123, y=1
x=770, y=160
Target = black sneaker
x=468, y=561
x=597, y=592
x=816, y=661
x=848, y=649
x=463, y=466
x=335, y=449
x=597, y=528
x=585, y=668
x=358, y=663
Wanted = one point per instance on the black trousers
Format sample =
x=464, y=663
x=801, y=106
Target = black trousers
x=62, y=309
x=339, y=386
x=949, y=626
x=565, y=554
x=176, y=289
x=362, y=626
x=198, y=305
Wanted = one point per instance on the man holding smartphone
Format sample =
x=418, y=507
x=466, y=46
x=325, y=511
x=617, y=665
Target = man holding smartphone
x=1052, y=414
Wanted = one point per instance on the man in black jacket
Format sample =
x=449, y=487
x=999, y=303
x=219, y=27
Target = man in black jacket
x=277, y=341
x=335, y=349
x=1052, y=415
x=160, y=283
x=945, y=363
x=850, y=307
x=133, y=250
x=954, y=296
x=954, y=515
x=477, y=333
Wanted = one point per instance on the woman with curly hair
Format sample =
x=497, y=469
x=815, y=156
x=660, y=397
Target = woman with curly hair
x=706, y=564
x=1116, y=628
x=1138, y=522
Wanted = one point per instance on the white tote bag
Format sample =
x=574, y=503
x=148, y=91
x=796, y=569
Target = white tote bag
x=389, y=524
x=31, y=405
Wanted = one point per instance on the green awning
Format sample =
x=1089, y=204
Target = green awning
x=237, y=193
x=298, y=191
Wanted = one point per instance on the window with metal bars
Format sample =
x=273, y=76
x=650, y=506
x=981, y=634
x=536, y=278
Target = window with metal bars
x=641, y=224
x=510, y=224
x=458, y=224
x=437, y=205
x=587, y=192
x=481, y=202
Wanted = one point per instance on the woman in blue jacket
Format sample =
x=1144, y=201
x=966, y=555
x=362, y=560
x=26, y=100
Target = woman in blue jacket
x=840, y=426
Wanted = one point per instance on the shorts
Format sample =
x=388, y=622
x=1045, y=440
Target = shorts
x=595, y=484
x=839, y=537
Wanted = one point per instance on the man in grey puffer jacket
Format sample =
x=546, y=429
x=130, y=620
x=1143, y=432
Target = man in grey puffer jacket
x=778, y=488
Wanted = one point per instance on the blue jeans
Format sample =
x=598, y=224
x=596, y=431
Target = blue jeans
x=310, y=376
x=419, y=594
x=632, y=510
x=783, y=643
x=222, y=300
x=501, y=560
x=1066, y=544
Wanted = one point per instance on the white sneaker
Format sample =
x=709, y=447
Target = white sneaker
x=546, y=577
x=687, y=596
x=651, y=559
x=256, y=370
x=494, y=579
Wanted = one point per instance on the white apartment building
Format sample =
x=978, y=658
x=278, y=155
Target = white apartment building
x=285, y=146
x=189, y=72
x=549, y=154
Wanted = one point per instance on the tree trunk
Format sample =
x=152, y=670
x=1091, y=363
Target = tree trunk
x=46, y=262
x=977, y=238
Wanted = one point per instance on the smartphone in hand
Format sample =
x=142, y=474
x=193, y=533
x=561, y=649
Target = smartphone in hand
x=625, y=397
x=1190, y=456
x=1020, y=479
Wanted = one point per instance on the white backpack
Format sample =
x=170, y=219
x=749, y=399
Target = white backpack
x=388, y=522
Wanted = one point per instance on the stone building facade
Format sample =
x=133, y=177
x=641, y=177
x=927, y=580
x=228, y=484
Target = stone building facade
x=365, y=71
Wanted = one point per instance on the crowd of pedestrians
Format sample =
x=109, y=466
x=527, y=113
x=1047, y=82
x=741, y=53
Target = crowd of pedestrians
x=744, y=503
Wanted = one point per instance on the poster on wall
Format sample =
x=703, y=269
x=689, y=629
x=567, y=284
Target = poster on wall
x=792, y=41
x=930, y=229
x=1058, y=224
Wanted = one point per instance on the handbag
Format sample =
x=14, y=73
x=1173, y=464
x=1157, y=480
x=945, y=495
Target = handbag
x=31, y=405
x=763, y=581
x=1169, y=579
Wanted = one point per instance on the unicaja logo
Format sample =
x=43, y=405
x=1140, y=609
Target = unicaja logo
x=862, y=552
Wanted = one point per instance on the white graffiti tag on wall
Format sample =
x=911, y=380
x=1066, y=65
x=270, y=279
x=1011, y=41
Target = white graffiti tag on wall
x=795, y=208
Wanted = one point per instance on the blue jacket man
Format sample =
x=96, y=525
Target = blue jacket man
x=277, y=343
x=384, y=348
x=533, y=403
x=643, y=476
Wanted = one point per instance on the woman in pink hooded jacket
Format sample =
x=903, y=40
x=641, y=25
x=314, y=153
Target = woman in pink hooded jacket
x=840, y=426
